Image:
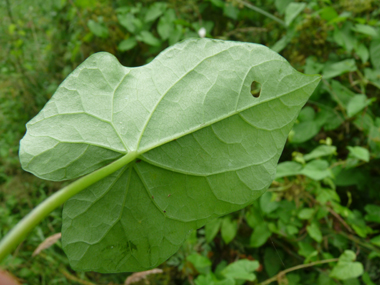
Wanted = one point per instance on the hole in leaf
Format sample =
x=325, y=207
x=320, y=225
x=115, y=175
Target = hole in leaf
x=255, y=89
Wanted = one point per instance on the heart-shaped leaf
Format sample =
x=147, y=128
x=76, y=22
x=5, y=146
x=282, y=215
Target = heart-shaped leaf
x=192, y=141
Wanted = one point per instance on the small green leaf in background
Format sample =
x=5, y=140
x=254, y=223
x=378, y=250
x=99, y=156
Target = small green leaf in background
x=155, y=11
x=210, y=279
x=341, y=18
x=204, y=280
x=212, y=228
x=322, y=212
x=359, y=152
x=306, y=250
x=366, y=30
x=85, y=3
x=314, y=232
x=241, y=269
x=281, y=43
x=339, y=241
x=288, y=168
x=340, y=93
x=148, y=38
x=228, y=229
x=253, y=216
x=328, y=118
x=313, y=66
x=231, y=11
x=260, y=235
x=356, y=221
x=292, y=11
x=282, y=4
x=328, y=13
x=98, y=29
x=338, y=68
x=317, y=169
x=352, y=281
x=59, y=4
x=291, y=230
x=373, y=213
x=307, y=127
x=130, y=22
x=201, y=263
x=175, y=36
x=374, y=52
x=305, y=214
x=327, y=195
x=356, y=104
x=346, y=268
x=217, y=3
x=345, y=37
x=127, y=44
x=304, y=131
x=362, y=52
x=268, y=205
x=306, y=114
x=366, y=279
x=376, y=241
x=165, y=25
x=322, y=150
x=373, y=76
x=324, y=279
x=272, y=260
x=293, y=278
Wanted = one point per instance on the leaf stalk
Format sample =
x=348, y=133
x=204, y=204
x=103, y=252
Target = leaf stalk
x=282, y=273
x=21, y=230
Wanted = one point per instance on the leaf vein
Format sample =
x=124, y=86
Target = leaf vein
x=112, y=112
x=149, y=147
x=166, y=92
x=154, y=163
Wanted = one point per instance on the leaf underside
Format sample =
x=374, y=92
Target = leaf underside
x=204, y=145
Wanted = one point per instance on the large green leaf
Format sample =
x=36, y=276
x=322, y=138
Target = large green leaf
x=200, y=145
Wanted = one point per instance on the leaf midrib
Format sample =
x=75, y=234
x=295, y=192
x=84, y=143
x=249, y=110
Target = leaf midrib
x=204, y=174
x=137, y=154
x=211, y=122
x=166, y=92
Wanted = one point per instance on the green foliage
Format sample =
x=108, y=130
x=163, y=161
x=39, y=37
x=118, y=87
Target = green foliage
x=241, y=270
x=292, y=10
x=196, y=125
x=340, y=127
x=346, y=268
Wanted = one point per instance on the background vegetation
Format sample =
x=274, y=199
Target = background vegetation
x=325, y=201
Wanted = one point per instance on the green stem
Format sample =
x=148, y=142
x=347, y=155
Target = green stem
x=258, y=10
x=282, y=273
x=359, y=241
x=20, y=231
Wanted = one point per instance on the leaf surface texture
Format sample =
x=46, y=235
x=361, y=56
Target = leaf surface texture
x=204, y=145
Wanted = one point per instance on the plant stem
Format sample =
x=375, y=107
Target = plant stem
x=20, y=231
x=282, y=273
x=258, y=10
x=357, y=240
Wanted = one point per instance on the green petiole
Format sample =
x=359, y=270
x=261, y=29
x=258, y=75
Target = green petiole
x=21, y=230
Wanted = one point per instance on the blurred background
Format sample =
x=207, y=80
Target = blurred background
x=325, y=201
